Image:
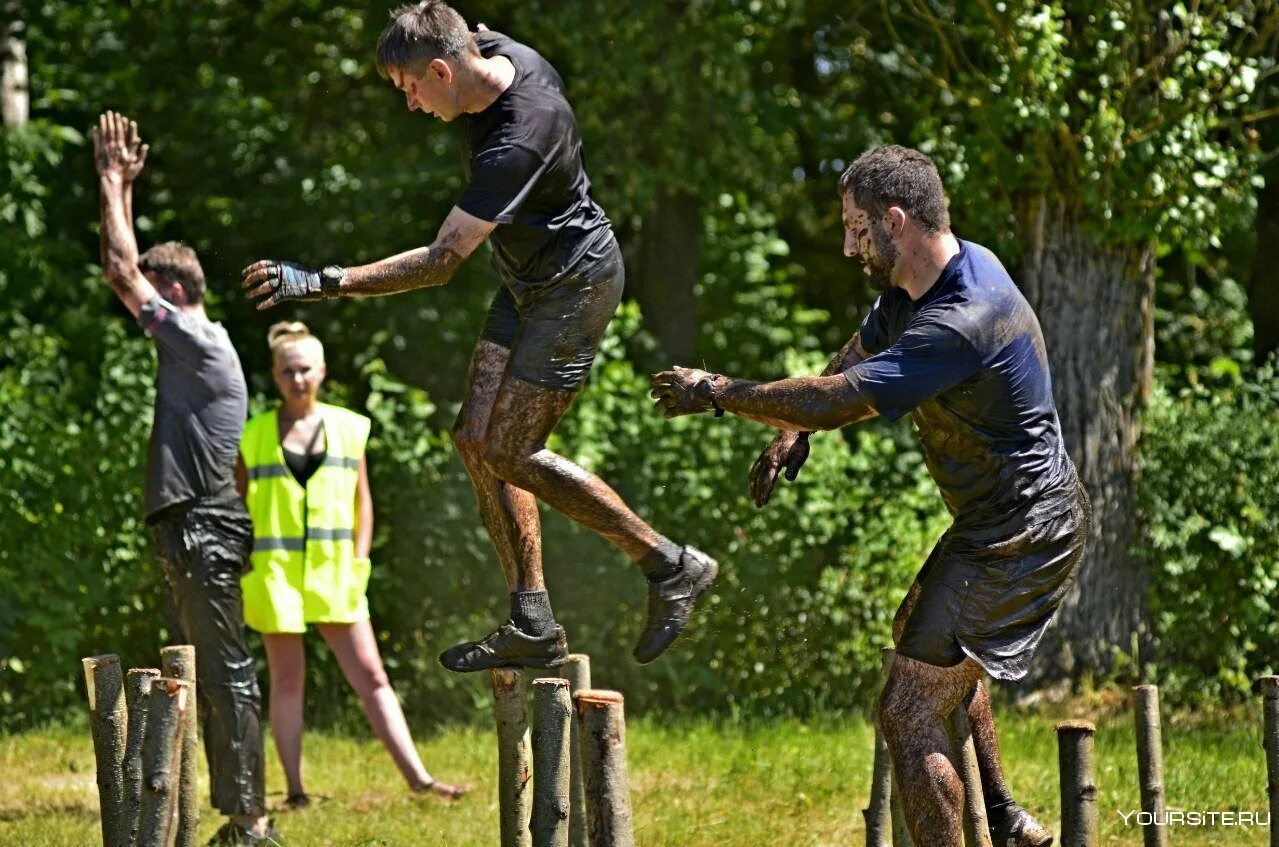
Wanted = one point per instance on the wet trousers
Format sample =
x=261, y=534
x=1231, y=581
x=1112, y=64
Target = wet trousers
x=202, y=549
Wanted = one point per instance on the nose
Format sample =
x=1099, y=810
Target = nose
x=409, y=101
x=850, y=244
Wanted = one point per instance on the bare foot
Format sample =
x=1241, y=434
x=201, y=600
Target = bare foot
x=442, y=789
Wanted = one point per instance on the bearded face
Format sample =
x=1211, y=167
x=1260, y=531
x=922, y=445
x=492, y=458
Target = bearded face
x=880, y=261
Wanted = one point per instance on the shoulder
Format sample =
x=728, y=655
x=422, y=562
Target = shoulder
x=988, y=309
x=259, y=422
x=346, y=418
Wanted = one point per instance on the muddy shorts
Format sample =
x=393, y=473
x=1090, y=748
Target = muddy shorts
x=553, y=333
x=992, y=600
x=203, y=549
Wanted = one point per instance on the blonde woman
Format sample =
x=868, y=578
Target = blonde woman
x=304, y=477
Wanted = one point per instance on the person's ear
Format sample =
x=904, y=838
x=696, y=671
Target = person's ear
x=896, y=221
x=176, y=294
x=441, y=69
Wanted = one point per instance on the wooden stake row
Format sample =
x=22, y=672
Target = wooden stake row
x=144, y=741
x=580, y=792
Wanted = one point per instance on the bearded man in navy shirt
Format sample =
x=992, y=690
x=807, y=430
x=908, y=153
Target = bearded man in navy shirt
x=952, y=342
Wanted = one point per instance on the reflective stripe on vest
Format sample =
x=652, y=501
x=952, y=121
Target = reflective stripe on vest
x=304, y=525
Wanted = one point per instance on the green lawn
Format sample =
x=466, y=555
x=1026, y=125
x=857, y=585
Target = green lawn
x=694, y=783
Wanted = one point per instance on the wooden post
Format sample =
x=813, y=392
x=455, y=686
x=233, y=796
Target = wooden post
x=137, y=690
x=1078, y=784
x=577, y=670
x=901, y=833
x=512, y=756
x=604, y=771
x=162, y=762
x=552, y=715
x=178, y=662
x=976, y=829
x=109, y=723
x=1150, y=764
x=877, y=815
x=1268, y=688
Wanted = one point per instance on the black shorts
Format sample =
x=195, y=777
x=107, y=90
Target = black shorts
x=553, y=334
x=993, y=600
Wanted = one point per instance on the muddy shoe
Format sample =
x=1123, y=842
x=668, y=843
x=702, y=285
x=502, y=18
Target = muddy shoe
x=670, y=602
x=1013, y=826
x=231, y=835
x=506, y=647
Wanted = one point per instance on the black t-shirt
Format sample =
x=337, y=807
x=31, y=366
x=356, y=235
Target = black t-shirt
x=967, y=361
x=523, y=157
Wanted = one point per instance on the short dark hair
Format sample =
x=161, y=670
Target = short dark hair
x=420, y=33
x=175, y=263
x=892, y=175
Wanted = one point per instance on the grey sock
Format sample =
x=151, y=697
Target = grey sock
x=662, y=562
x=531, y=612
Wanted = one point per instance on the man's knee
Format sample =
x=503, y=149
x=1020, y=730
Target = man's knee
x=468, y=440
x=506, y=462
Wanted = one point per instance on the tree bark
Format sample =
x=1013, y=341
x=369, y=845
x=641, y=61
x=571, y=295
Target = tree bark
x=877, y=815
x=1095, y=305
x=15, y=98
x=512, y=756
x=604, y=770
x=577, y=670
x=552, y=716
x=976, y=829
x=137, y=691
x=664, y=279
x=109, y=724
x=1078, y=784
x=178, y=662
x=162, y=762
x=1263, y=294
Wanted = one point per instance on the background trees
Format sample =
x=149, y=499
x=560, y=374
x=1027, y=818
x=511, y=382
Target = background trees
x=1109, y=152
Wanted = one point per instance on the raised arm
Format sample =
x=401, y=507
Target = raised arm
x=119, y=155
x=460, y=234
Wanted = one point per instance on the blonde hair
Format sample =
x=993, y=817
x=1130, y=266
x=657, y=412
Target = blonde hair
x=286, y=334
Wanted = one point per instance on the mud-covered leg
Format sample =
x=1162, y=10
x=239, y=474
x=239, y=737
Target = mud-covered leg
x=509, y=513
x=912, y=711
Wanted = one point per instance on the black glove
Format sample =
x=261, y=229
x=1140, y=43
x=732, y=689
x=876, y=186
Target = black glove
x=278, y=281
x=684, y=391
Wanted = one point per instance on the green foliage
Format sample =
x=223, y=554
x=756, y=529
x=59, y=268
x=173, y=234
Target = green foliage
x=1210, y=473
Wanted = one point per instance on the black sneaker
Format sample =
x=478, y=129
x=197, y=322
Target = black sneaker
x=670, y=603
x=508, y=646
x=1013, y=826
x=233, y=835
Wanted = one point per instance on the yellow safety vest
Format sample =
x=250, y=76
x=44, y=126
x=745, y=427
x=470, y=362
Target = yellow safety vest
x=304, y=568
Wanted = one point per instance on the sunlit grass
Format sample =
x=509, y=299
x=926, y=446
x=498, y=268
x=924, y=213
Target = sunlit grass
x=695, y=782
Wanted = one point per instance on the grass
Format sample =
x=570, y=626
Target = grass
x=696, y=783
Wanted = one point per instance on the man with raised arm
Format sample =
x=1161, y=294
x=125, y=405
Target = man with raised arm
x=202, y=532
x=562, y=279
x=952, y=342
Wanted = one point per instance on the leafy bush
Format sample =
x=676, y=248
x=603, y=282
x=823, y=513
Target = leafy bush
x=1209, y=492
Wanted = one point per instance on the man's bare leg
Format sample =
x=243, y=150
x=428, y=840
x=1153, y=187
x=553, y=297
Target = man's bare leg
x=509, y=513
x=912, y=711
x=522, y=419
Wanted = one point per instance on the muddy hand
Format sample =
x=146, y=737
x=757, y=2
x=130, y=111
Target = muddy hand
x=275, y=282
x=789, y=451
x=117, y=148
x=682, y=391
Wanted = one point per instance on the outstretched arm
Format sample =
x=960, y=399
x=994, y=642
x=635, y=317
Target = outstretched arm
x=119, y=155
x=460, y=234
x=800, y=403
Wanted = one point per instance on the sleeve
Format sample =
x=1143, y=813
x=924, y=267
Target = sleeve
x=176, y=332
x=881, y=325
x=926, y=360
x=502, y=178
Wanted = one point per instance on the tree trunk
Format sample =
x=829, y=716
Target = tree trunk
x=1268, y=688
x=513, y=756
x=137, y=695
x=577, y=670
x=604, y=769
x=1150, y=764
x=552, y=716
x=1263, y=294
x=15, y=99
x=1078, y=780
x=1095, y=304
x=162, y=762
x=109, y=718
x=664, y=279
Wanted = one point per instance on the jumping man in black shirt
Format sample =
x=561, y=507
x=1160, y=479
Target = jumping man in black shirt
x=562, y=279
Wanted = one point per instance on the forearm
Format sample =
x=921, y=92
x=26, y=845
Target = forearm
x=119, y=246
x=364, y=530
x=802, y=403
x=850, y=354
x=424, y=267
